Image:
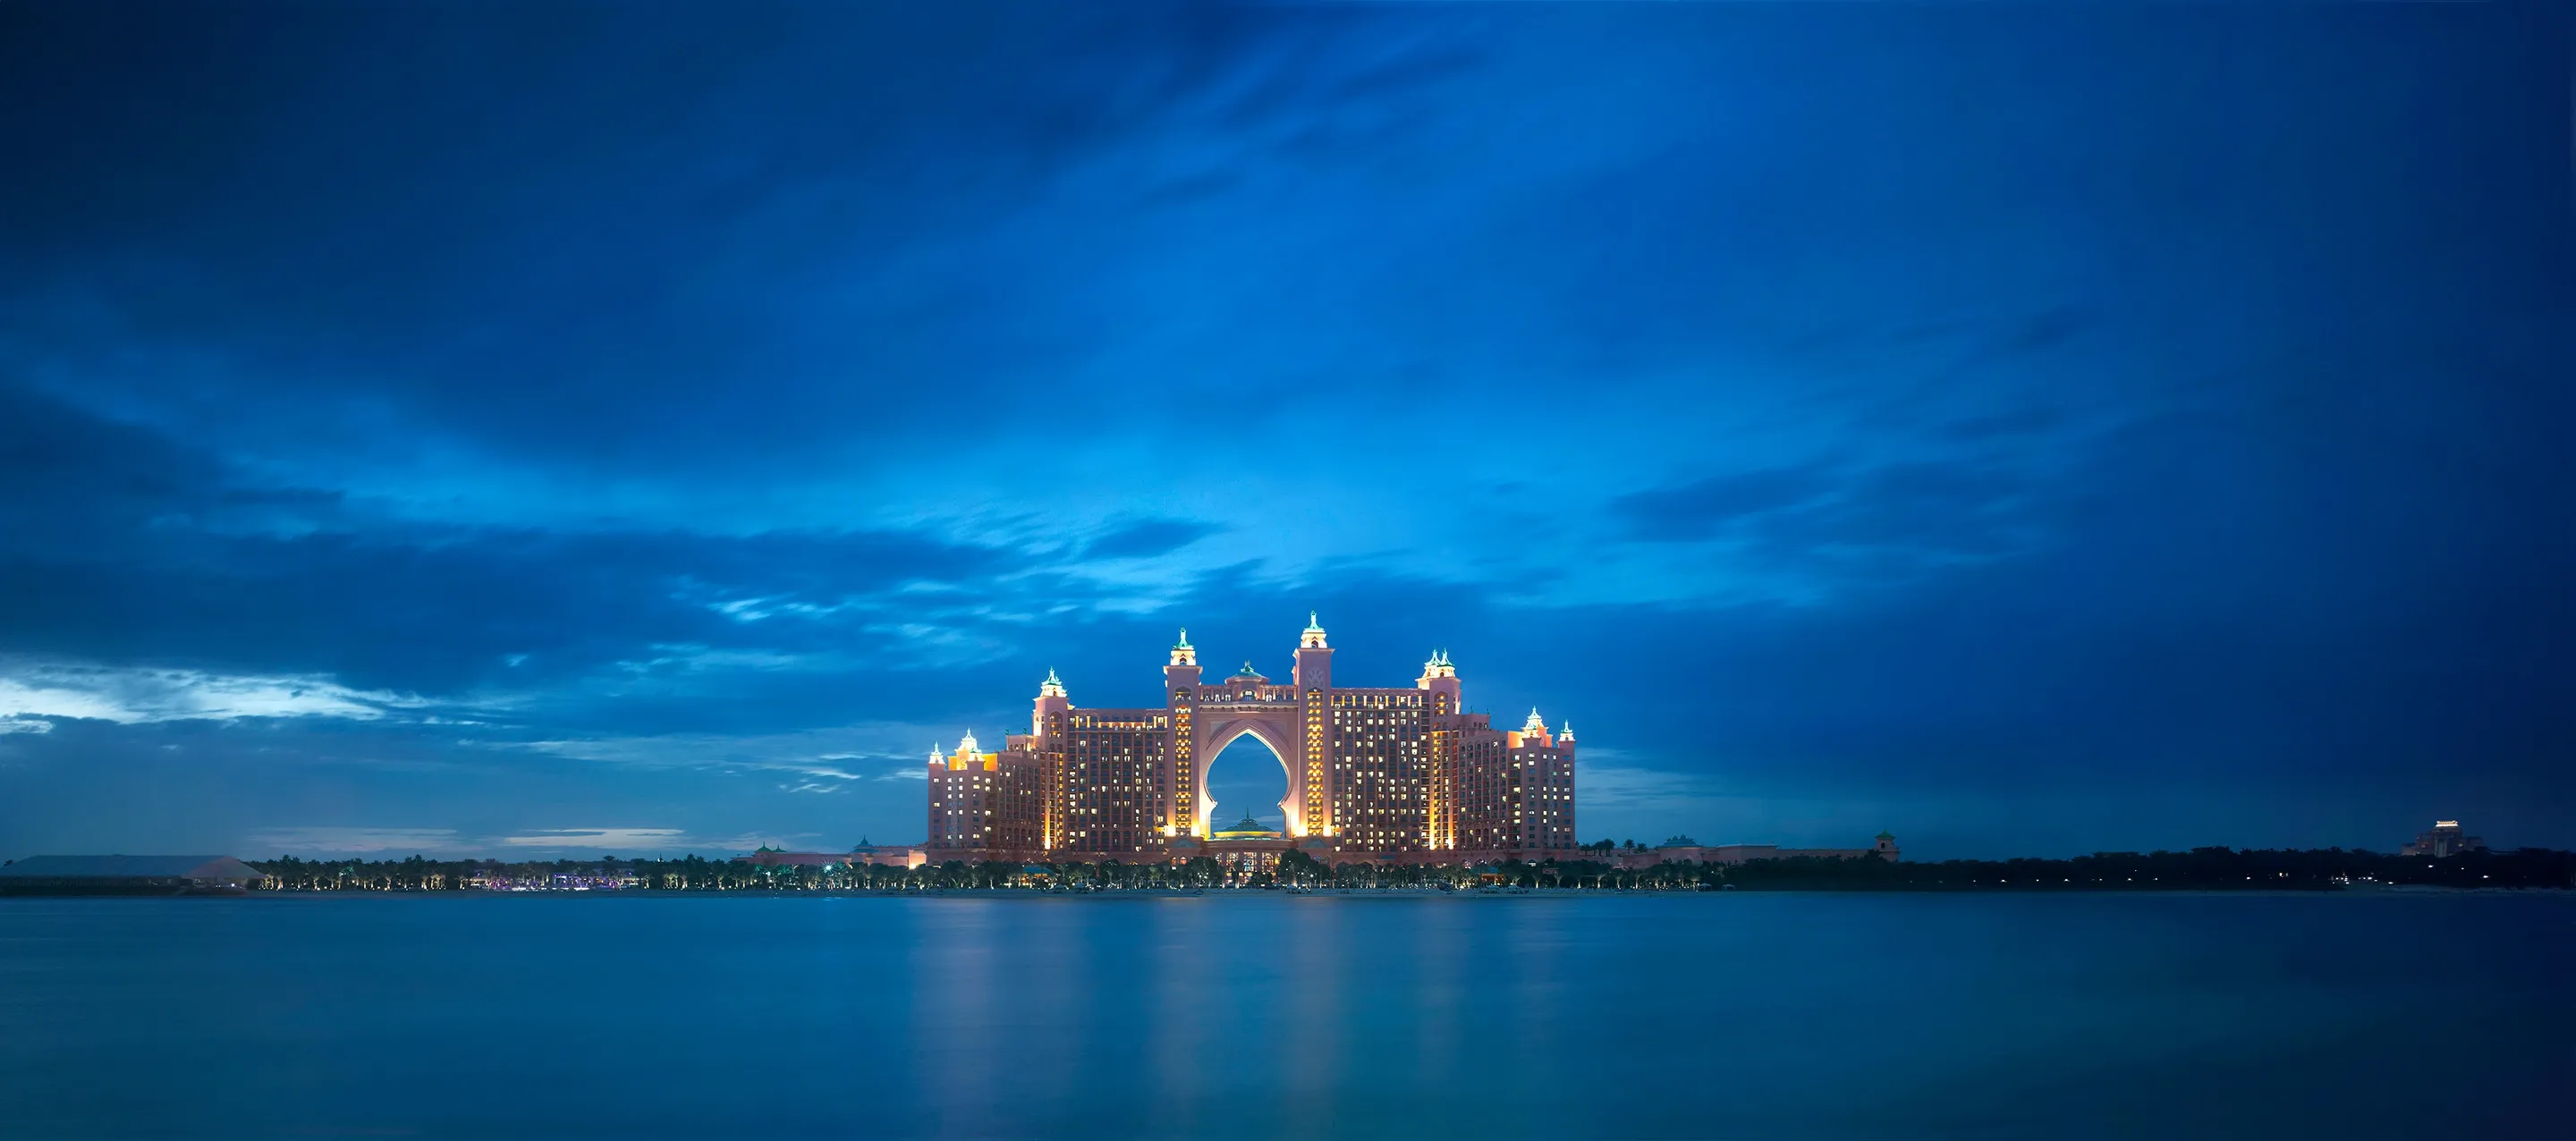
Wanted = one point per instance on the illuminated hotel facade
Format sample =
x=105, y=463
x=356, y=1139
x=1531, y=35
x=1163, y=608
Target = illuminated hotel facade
x=1399, y=773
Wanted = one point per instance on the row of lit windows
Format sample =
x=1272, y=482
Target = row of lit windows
x=1378, y=699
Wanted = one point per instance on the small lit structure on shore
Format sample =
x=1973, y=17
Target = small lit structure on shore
x=888, y=855
x=2445, y=840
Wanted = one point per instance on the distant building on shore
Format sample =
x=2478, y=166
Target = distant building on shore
x=888, y=855
x=2446, y=839
x=129, y=875
x=768, y=857
x=1883, y=848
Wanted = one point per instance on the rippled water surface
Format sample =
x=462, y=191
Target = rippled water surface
x=1256, y=1015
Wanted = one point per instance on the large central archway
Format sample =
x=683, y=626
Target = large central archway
x=1221, y=729
x=1244, y=780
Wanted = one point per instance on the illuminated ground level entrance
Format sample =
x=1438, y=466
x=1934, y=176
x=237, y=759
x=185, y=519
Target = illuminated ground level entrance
x=1249, y=848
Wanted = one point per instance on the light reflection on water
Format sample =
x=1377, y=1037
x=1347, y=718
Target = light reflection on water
x=1252, y=1014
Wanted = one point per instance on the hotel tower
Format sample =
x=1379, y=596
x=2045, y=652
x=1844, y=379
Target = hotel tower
x=1388, y=773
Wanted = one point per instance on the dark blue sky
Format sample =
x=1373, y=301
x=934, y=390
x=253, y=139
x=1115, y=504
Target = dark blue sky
x=2032, y=429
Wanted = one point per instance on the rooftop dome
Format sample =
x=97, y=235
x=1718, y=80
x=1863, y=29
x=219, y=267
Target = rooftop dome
x=1248, y=827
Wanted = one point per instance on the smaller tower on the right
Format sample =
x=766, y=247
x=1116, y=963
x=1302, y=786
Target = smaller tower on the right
x=1537, y=780
x=1885, y=848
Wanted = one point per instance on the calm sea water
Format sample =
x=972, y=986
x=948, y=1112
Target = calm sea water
x=1254, y=1015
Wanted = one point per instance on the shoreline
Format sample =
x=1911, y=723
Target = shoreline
x=1350, y=893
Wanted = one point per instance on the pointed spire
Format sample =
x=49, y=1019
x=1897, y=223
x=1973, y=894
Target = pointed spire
x=1184, y=643
x=967, y=746
x=1053, y=686
x=1534, y=725
x=1565, y=732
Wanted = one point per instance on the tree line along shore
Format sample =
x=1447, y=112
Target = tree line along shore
x=2199, y=869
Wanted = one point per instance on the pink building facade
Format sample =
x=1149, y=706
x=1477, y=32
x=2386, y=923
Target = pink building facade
x=1373, y=772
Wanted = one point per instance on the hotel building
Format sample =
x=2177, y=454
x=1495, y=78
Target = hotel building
x=1381, y=773
x=2447, y=839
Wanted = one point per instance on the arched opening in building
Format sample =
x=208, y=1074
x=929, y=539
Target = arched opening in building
x=1248, y=778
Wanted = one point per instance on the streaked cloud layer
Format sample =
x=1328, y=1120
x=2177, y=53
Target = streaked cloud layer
x=42, y=692
x=2031, y=430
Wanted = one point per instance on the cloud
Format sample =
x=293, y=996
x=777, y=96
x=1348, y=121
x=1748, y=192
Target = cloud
x=823, y=754
x=631, y=838
x=2030, y=420
x=1811, y=534
x=133, y=696
x=1147, y=538
x=449, y=842
x=1906, y=515
x=292, y=840
x=2047, y=329
x=76, y=481
x=112, y=549
x=1700, y=508
x=1605, y=783
x=13, y=723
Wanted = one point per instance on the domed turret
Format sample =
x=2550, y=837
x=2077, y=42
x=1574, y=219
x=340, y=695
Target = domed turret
x=1248, y=829
x=1182, y=672
x=1051, y=700
x=1441, y=679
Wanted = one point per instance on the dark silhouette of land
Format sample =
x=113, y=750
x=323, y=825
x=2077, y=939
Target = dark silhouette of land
x=2200, y=869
